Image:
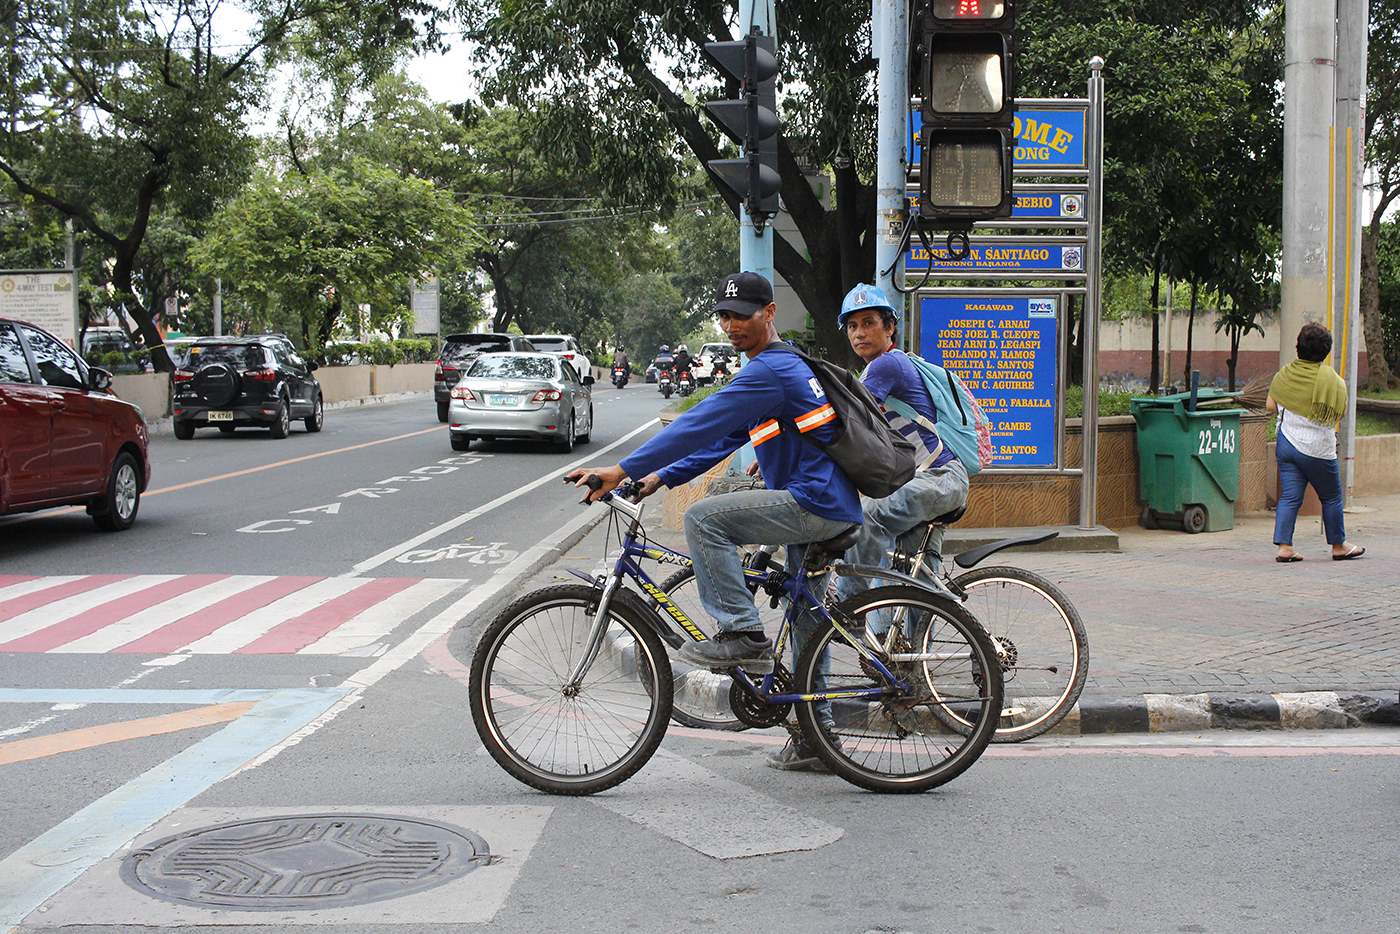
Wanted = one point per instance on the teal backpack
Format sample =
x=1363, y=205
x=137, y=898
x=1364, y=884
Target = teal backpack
x=962, y=426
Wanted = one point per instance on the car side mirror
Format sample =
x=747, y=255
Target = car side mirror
x=589, y=380
x=99, y=380
x=312, y=365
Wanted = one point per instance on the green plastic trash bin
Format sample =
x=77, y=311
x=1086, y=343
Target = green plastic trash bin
x=1188, y=461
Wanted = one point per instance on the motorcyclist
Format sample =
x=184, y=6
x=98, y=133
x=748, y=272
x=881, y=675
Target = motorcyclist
x=620, y=358
x=664, y=362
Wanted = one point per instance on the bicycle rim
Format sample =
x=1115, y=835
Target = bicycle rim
x=900, y=743
x=1042, y=643
x=552, y=738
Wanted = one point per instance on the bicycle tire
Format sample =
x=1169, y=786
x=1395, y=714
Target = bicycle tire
x=542, y=736
x=701, y=695
x=1032, y=620
x=888, y=745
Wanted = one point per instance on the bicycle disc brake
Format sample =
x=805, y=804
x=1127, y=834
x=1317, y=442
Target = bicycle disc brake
x=754, y=709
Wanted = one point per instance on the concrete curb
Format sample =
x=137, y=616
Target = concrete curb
x=1180, y=713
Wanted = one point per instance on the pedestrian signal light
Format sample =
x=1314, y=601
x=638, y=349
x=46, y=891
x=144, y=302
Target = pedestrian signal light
x=968, y=106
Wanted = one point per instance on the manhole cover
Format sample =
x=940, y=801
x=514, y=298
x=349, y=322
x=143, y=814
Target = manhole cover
x=306, y=861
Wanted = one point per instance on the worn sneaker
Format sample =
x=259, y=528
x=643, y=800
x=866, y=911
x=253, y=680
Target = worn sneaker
x=796, y=757
x=751, y=651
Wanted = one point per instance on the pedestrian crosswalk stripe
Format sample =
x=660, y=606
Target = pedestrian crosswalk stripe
x=162, y=614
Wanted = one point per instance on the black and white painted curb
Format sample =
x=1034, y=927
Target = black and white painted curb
x=1175, y=713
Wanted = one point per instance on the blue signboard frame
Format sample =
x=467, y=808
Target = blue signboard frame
x=1021, y=256
x=1006, y=348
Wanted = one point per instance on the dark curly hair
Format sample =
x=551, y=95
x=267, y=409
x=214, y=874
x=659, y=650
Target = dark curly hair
x=1314, y=342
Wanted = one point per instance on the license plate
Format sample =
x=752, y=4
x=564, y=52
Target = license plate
x=502, y=400
x=219, y=416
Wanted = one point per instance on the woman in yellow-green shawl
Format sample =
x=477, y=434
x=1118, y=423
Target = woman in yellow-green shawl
x=1310, y=398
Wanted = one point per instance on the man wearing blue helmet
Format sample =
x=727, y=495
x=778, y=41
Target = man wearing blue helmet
x=940, y=486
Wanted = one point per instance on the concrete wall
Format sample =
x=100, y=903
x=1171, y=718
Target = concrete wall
x=151, y=391
x=1125, y=351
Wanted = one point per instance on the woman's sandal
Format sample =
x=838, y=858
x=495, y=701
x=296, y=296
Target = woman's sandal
x=1354, y=553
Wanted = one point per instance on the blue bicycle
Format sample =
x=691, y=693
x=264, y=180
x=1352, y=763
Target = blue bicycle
x=572, y=687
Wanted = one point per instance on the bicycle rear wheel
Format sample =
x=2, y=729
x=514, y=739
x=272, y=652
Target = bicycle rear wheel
x=701, y=695
x=561, y=739
x=899, y=743
x=1042, y=643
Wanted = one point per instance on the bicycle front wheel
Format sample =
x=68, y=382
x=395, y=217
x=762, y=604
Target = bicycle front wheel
x=561, y=738
x=899, y=742
x=1042, y=643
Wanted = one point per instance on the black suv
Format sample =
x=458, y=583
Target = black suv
x=235, y=382
x=458, y=352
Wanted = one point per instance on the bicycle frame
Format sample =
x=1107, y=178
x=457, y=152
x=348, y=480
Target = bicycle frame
x=635, y=546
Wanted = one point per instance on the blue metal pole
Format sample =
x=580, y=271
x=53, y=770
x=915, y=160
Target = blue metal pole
x=889, y=21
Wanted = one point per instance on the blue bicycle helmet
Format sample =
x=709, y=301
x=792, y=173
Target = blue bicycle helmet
x=864, y=297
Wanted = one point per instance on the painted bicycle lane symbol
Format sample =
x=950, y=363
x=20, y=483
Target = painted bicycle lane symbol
x=488, y=553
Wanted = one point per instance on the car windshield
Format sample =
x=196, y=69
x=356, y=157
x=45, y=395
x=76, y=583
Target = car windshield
x=457, y=351
x=512, y=367
x=240, y=356
x=550, y=344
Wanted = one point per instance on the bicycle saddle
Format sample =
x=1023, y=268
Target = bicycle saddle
x=821, y=553
x=948, y=518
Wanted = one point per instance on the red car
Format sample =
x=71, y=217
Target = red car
x=64, y=439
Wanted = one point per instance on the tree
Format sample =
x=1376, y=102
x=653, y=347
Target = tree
x=114, y=111
x=321, y=243
x=619, y=86
x=1383, y=159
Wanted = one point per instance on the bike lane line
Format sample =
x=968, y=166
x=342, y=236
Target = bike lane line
x=389, y=554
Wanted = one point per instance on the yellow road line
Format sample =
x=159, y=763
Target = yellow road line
x=40, y=746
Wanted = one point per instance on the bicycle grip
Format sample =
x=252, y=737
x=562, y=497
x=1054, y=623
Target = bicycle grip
x=594, y=484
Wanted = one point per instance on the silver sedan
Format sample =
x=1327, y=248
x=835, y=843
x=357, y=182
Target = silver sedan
x=521, y=395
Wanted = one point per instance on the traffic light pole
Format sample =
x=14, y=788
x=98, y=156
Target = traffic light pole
x=890, y=38
x=756, y=249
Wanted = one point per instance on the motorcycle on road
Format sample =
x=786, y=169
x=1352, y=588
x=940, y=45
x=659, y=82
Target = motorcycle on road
x=665, y=383
x=620, y=376
x=685, y=383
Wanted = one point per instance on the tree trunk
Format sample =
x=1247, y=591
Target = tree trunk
x=1155, y=384
x=1190, y=332
x=1381, y=375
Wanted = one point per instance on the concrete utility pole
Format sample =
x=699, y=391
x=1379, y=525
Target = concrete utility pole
x=1344, y=314
x=1309, y=68
x=756, y=247
x=889, y=36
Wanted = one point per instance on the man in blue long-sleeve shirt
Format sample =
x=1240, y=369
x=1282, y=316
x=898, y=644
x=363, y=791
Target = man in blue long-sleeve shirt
x=808, y=498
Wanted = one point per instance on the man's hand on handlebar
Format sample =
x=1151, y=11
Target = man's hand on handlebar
x=608, y=479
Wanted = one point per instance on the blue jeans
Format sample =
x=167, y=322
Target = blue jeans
x=899, y=519
x=1295, y=471
x=714, y=529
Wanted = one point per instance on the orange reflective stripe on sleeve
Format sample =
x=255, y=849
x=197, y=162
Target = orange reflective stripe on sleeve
x=765, y=432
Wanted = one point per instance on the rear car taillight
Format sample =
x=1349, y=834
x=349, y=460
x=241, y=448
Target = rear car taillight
x=463, y=393
x=265, y=375
x=548, y=395
x=182, y=376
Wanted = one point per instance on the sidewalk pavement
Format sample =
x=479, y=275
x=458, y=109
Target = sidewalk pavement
x=1190, y=632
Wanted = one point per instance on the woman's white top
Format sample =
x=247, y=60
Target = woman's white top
x=1311, y=438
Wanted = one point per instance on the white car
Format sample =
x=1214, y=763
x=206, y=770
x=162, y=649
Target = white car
x=565, y=346
x=704, y=368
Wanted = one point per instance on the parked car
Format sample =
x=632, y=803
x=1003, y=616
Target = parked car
x=458, y=353
x=104, y=340
x=652, y=372
x=564, y=345
x=64, y=439
x=521, y=395
x=238, y=382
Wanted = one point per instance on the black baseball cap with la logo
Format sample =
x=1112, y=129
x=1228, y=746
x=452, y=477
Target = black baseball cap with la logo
x=743, y=293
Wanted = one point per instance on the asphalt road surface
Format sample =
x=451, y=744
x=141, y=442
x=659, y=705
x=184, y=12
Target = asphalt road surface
x=275, y=655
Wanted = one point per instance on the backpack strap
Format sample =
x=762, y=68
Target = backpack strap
x=903, y=408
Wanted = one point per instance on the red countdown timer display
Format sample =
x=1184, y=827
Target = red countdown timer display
x=978, y=10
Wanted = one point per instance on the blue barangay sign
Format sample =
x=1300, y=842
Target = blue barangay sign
x=1006, y=349
x=1046, y=137
x=1027, y=255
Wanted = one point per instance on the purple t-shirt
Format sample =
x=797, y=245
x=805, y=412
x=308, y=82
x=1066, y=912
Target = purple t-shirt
x=893, y=374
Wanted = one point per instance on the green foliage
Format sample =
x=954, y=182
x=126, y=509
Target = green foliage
x=695, y=398
x=1388, y=263
x=1111, y=402
x=381, y=353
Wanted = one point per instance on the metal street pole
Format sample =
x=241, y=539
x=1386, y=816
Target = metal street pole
x=1093, y=253
x=1349, y=120
x=890, y=45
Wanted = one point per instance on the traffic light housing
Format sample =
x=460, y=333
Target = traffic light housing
x=968, y=106
x=750, y=120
